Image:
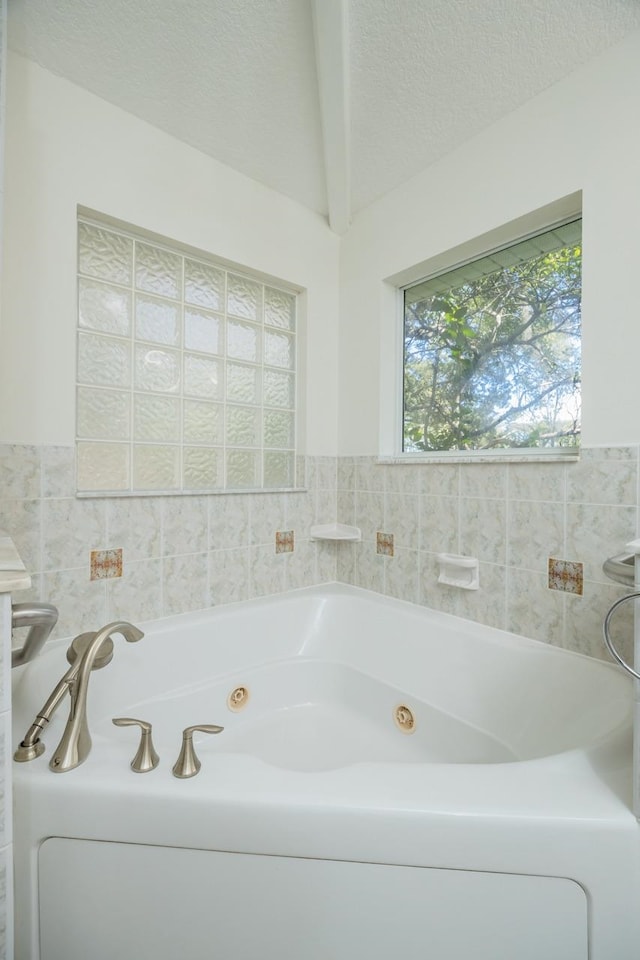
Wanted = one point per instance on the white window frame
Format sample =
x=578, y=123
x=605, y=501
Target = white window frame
x=392, y=339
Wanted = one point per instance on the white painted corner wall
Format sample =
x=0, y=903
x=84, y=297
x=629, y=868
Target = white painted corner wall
x=581, y=134
x=66, y=147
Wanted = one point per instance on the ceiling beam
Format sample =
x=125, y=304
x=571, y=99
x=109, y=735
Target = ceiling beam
x=331, y=32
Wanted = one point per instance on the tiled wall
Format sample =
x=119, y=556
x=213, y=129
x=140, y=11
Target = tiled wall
x=179, y=553
x=6, y=819
x=514, y=518
x=186, y=553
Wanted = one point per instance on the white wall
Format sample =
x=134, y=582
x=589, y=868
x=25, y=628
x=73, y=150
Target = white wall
x=67, y=147
x=580, y=135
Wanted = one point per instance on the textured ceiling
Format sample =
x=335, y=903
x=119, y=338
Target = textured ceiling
x=238, y=80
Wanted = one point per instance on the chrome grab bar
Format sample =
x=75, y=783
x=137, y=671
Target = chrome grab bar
x=41, y=618
x=607, y=635
x=621, y=568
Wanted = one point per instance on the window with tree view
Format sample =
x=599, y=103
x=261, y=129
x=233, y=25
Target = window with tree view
x=492, y=350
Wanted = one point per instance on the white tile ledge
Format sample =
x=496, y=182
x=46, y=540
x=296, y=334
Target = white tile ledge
x=13, y=573
x=335, y=531
x=488, y=458
x=204, y=492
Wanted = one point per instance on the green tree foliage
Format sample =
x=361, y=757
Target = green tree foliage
x=495, y=362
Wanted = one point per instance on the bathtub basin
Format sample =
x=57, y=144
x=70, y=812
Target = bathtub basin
x=369, y=745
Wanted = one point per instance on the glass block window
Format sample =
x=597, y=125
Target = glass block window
x=186, y=370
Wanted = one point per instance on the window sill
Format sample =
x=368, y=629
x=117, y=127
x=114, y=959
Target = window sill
x=506, y=456
x=205, y=492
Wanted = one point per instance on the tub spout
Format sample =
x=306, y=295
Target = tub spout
x=31, y=746
x=75, y=744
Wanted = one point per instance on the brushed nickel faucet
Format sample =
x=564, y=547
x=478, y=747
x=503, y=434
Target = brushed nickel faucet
x=146, y=758
x=31, y=745
x=188, y=764
x=75, y=744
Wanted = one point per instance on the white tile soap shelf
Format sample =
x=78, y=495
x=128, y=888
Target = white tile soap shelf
x=458, y=571
x=335, y=531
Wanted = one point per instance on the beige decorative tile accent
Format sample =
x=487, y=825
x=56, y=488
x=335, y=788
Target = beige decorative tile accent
x=566, y=575
x=384, y=544
x=284, y=541
x=106, y=564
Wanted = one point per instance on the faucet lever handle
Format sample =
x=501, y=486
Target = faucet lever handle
x=146, y=758
x=187, y=764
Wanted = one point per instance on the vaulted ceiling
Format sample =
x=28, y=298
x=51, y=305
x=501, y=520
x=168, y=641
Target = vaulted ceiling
x=330, y=102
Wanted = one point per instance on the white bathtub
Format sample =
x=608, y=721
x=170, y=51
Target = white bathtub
x=317, y=829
